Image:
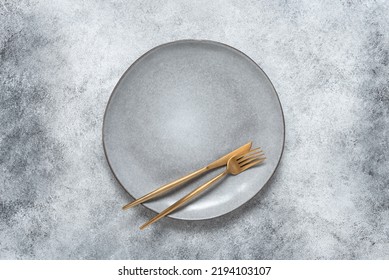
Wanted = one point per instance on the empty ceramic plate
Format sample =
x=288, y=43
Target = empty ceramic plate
x=181, y=106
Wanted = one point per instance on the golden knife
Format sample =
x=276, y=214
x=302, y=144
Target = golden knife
x=217, y=163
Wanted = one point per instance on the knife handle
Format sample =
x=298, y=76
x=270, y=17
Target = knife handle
x=185, y=199
x=166, y=187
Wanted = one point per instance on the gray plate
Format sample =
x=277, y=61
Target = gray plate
x=182, y=105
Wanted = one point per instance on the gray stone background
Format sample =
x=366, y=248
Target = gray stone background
x=328, y=60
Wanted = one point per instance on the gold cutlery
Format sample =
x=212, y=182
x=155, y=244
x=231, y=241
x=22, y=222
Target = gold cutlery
x=235, y=165
x=218, y=163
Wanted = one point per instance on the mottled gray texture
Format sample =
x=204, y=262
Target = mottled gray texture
x=183, y=105
x=328, y=60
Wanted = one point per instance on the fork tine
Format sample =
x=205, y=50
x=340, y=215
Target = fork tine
x=242, y=164
x=258, y=154
x=252, y=152
x=252, y=164
x=247, y=160
x=248, y=153
x=250, y=161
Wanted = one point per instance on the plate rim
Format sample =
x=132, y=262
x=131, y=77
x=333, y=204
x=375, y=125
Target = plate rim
x=193, y=41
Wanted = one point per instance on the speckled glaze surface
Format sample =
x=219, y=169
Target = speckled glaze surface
x=179, y=107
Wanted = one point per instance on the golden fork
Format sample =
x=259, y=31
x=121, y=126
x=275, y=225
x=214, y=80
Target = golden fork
x=218, y=163
x=235, y=166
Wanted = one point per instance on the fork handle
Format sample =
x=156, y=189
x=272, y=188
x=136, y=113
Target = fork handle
x=185, y=199
x=166, y=188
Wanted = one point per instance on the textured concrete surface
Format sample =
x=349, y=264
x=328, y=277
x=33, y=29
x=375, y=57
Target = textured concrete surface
x=329, y=61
